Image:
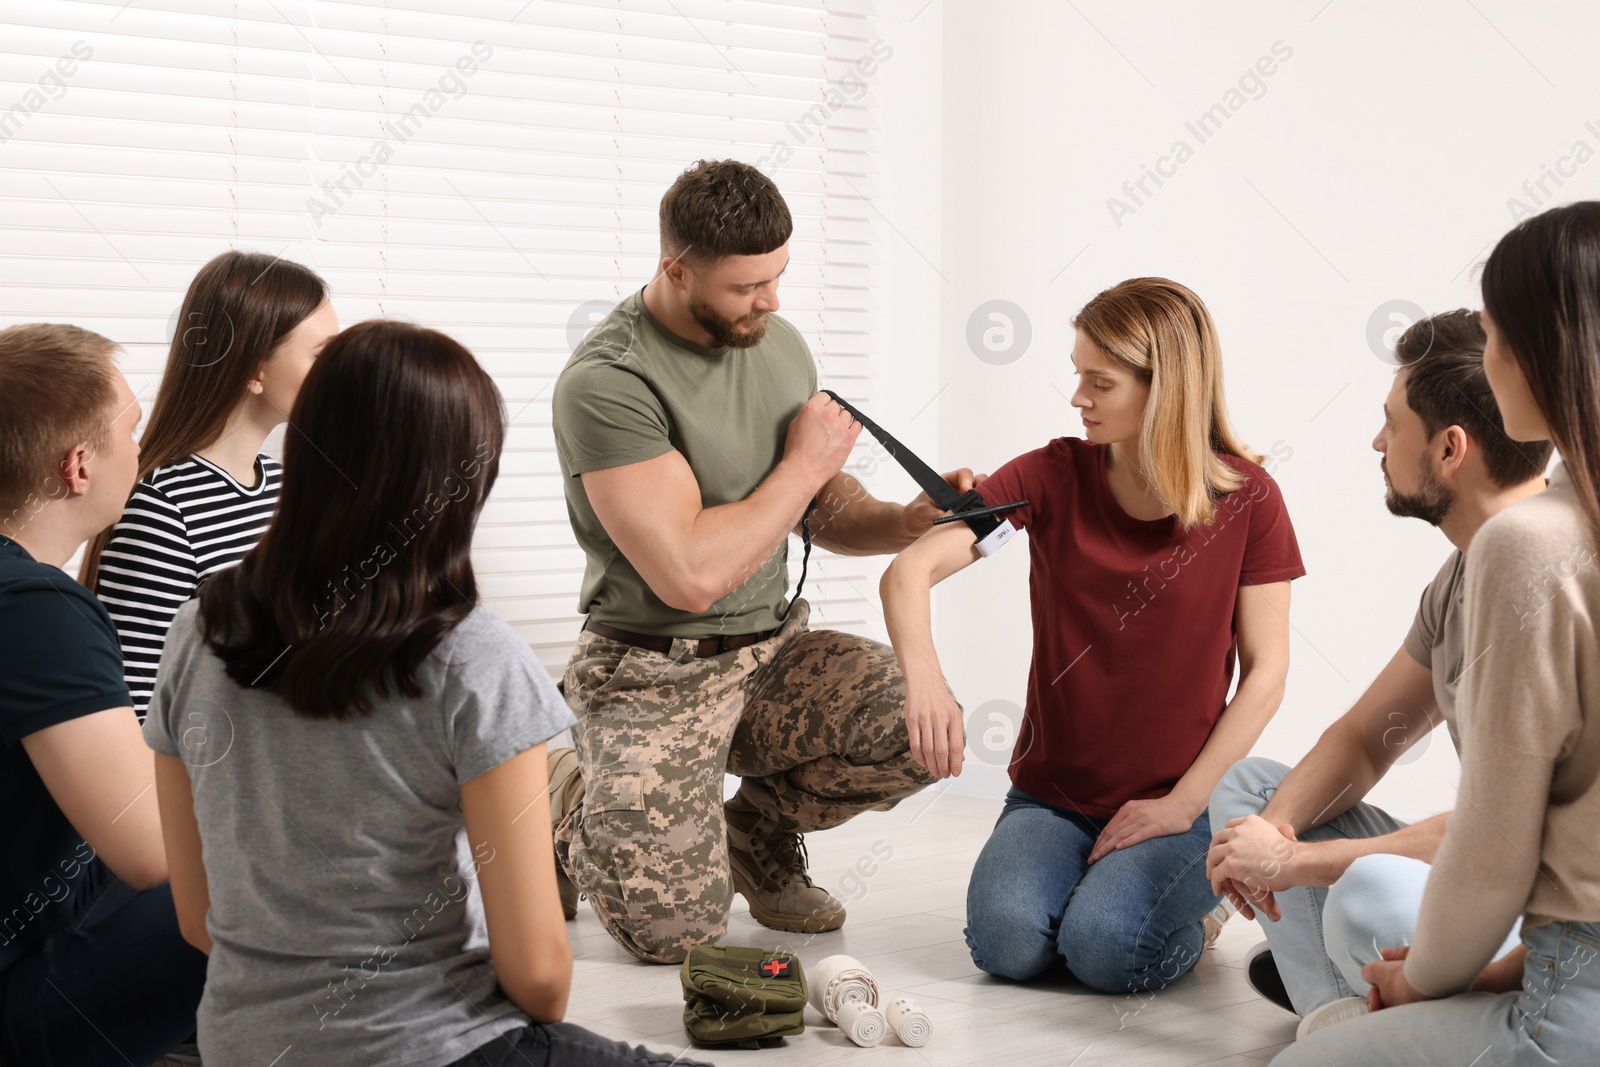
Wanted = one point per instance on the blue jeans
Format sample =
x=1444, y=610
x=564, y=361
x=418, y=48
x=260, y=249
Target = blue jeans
x=117, y=985
x=1551, y=1020
x=1131, y=923
x=1326, y=935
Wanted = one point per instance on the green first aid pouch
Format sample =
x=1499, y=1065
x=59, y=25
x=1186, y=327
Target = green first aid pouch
x=749, y=997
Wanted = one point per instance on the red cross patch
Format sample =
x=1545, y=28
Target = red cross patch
x=775, y=968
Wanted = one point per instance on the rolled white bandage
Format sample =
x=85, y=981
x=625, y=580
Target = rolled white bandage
x=910, y=1022
x=840, y=980
x=862, y=1023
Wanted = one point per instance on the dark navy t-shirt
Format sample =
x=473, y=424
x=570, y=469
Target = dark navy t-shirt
x=59, y=659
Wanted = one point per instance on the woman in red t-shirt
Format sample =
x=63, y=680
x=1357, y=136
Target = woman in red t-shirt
x=1159, y=551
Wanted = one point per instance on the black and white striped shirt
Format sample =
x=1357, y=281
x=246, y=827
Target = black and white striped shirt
x=184, y=521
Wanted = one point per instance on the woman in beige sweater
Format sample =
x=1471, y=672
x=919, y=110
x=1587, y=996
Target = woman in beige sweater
x=1522, y=841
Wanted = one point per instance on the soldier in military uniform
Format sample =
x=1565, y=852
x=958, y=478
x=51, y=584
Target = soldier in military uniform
x=692, y=442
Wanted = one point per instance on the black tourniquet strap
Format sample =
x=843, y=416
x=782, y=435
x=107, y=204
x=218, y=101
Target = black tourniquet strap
x=969, y=507
x=992, y=531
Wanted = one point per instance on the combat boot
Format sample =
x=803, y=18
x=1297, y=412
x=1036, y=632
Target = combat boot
x=769, y=871
x=566, y=789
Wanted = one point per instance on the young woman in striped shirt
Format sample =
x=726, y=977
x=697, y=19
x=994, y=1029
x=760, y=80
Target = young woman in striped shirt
x=250, y=327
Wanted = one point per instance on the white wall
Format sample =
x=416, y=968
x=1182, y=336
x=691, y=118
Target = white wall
x=1375, y=165
x=501, y=204
x=911, y=391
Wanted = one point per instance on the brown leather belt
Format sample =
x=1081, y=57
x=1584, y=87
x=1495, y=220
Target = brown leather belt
x=704, y=647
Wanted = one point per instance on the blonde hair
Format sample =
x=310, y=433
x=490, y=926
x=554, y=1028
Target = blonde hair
x=1162, y=333
x=57, y=390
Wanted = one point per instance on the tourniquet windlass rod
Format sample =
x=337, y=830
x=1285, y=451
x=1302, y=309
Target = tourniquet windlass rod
x=970, y=507
x=967, y=516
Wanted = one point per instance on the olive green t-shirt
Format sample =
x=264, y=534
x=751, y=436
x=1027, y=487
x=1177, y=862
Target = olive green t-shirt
x=633, y=391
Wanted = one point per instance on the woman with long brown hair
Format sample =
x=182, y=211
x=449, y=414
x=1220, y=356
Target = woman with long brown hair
x=1521, y=843
x=1160, y=552
x=330, y=715
x=249, y=328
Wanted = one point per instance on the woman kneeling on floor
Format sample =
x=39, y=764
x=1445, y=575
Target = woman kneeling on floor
x=1159, y=551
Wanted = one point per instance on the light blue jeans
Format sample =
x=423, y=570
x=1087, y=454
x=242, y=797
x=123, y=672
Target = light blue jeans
x=1326, y=935
x=1554, y=1019
x=1131, y=923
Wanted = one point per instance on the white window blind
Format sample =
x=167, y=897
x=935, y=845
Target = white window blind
x=489, y=169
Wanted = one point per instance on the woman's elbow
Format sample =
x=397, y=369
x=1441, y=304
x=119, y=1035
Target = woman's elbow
x=540, y=986
x=543, y=998
x=549, y=1008
x=886, y=584
x=1269, y=679
x=194, y=932
x=143, y=873
x=902, y=577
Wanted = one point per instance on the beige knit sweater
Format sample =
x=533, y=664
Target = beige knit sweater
x=1525, y=835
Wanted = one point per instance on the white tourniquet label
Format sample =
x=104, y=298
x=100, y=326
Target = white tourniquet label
x=997, y=538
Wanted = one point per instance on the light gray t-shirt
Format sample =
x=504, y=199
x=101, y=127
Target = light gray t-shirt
x=342, y=917
x=1438, y=639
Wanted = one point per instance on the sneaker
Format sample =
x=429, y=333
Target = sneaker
x=769, y=871
x=1335, y=1011
x=1215, y=920
x=566, y=789
x=186, y=1053
x=1261, y=971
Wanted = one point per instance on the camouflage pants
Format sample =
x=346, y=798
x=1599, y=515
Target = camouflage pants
x=814, y=722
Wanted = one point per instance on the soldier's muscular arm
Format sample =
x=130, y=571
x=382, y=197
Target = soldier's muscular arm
x=692, y=556
x=850, y=521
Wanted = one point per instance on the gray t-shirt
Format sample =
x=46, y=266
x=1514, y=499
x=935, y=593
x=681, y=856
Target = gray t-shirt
x=342, y=915
x=1438, y=635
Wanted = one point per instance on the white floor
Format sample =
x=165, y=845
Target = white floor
x=906, y=917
